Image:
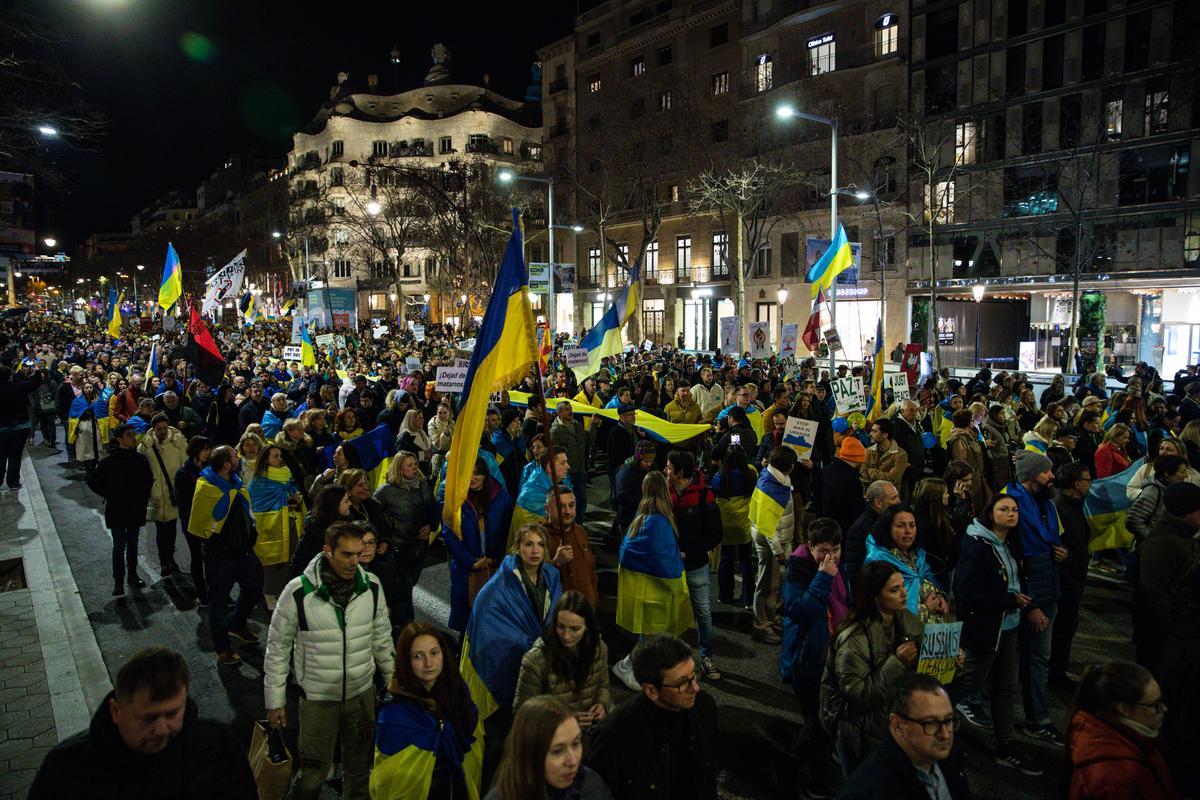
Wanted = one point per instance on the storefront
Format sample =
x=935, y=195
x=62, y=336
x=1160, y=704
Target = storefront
x=1180, y=330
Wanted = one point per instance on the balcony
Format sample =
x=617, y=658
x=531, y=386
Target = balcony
x=531, y=152
x=414, y=150
x=797, y=68
x=486, y=146
x=558, y=85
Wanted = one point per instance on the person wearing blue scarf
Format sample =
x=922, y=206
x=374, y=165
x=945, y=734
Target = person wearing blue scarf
x=275, y=416
x=894, y=540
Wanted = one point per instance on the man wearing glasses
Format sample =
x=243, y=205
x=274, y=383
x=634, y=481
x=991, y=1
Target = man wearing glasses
x=660, y=744
x=917, y=760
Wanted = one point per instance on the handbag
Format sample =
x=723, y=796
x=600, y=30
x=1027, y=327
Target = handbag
x=476, y=579
x=270, y=761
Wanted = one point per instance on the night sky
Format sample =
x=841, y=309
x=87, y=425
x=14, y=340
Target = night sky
x=185, y=84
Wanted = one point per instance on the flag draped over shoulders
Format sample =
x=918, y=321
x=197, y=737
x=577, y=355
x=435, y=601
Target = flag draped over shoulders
x=504, y=352
x=372, y=452
x=768, y=503
x=604, y=339
x=410, y=739
x=1106, y=507
x=652, y=592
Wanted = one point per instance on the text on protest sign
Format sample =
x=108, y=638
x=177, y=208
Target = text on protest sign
x=939, y=650
x=412, y=364
x=800, y=435
x=291, y=352
x=576, y=356
x=898, y=383
x=848, y=394
x=451, y=379
x=324, y=339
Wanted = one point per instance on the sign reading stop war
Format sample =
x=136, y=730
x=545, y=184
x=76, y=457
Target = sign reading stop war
x=451, y=379
x=576, y=356
x=848, y=394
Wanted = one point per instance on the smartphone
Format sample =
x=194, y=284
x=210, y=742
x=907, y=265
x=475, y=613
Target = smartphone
x=735, y=438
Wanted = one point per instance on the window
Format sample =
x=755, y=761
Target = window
x=720, y=131
x=664, y=101
x=941, y=89
x=1153, y=175
x=720, y=83
x=964, y=142
x=379, y=149
x=1030, y=191
x=942, y=198
x=1018, y=17
x=1052, y=61
x=1031, y=128
x=941, y=32
x=887, y=35
x=1114, y=110
x=789, y=255
x=663, y=57
x=1092, y=64
x=445, y=145
x=412, y=269
x=764, y=73
x=1070, y=116
x=762, y=261
x=535, y=152
x=673, y=192
x=652, y=258
x=337, y=177
x=341, y=267
x=1137, y=41
x=1191, y=238
x=339, y=207
x=337, y=149
x=506, y=145
x=1014, y=73
x=1158, y=99
x=718, y=35
x=720, y=255
x=594, y=83
x=885, y=176
x=637, y=66
x=683, y=257
x=821, y=54
x=594, y=277
x=768, y=313
x=341, y=236
x=885, y=249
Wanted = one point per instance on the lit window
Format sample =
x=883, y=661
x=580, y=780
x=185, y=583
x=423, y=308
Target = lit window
x=664, y=101
x=764, y=73
x=637, y=66
x=887, y=35
x=506, y=145
x=821, y=53
x=1113, y=111
x=762, y=261
x=652, y=258
x=341, y=236
x=594, y=84
x=594, y=265
x=720, y=83
x=964, y=143
x=720, y=253
x=941, y=198
x=683, y=257
x=673, y=191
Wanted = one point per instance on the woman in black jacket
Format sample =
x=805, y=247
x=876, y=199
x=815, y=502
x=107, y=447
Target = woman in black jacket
x=331, y=505
x=222, y=419
x=186, y=476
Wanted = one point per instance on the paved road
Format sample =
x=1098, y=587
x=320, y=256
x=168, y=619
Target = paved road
x=756, y=711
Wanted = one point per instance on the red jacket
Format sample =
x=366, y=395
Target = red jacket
x=125, y=404
x=1111, y=762
x=1110, y=461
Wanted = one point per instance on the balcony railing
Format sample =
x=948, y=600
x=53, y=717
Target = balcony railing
x=696, y=274
x=411, y=150
x=798, y=67
x=483, y=146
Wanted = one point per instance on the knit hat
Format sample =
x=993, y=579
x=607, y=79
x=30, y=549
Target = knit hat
x=508, y=415
x=852, y=451
x=644, y=448
x=1182, y=498
x=1030, y=464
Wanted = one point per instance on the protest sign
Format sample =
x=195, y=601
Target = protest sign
x=339, y=341
x=848, y=394
x=451, y=379
x=760, y=338
x=787, y=343
x=576, y=356
x=898, y=383
x=833, y=340
x=324, y=339
x=800, y=435
x=379, y=331
x=939, y=650
x=419, y=332
x=412, y=364
x=729, y=334
x=80, y=316
x=291, y=352
x=467, y=344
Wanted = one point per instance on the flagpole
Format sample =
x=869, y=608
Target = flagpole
x=833, y=228
x=549, y=362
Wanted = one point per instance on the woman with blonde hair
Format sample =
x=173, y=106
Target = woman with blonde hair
x=407, y=500
x=652, y=592
x=1145, y=474
x=1111, y=457
x=1190, y=436
x=298, y=454
x=1041, y=436
x=441, y=431
x=413, y=437
x=249, y=448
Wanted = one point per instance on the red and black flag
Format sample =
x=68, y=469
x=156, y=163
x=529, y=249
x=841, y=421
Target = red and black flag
x=205, y=358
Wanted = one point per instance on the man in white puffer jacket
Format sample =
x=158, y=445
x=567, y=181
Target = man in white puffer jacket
x=332, y=625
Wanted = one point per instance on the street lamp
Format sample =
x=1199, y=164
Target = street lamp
x=786, y=111
x=508, y=176
x=47, y=130
x=782, y=294
x=276, y=235
x=50, y=241
x=977, y=292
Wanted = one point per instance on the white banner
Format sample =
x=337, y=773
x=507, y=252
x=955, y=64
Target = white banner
x=576, y=356
x=848, y=393
x=81, y=316
x=729, y=327
x=451, y=379
x=379, y=331
x=324, y=340
x=788, y=338
x=225, y=283
x=291, y=352
x=800, y=435
x=412, y=364
x=760, y=340
x=898, y=383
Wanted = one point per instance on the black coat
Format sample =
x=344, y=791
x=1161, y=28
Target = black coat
x=981, y=590
x=621, y=444
x=841, y=494
x=634, y=760
x=251, y=412
x=910, y=442
x=203, y=761
x=123, y=478
x=854, y=542
x=888, y=773
x=14, y=399
x=1076, y=535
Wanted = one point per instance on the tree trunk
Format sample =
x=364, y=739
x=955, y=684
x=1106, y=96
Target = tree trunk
x=933, y=318
x=739, y=283
x=1073, y=334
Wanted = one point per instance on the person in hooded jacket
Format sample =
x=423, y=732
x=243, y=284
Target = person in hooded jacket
x=485, y=522
x=147, y=740
x=123, y=478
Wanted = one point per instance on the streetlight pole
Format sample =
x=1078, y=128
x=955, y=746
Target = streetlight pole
x=977, y=292
x=507, y=176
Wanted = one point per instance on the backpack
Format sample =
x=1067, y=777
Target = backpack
x=46, y=401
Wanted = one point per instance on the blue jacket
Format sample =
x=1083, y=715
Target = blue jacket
x=535, y=486
x=806, y=593
x=474, y=545
x=1040, y=529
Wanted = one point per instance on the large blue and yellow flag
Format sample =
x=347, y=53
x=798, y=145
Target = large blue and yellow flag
x=100, y=417
x=875, y=406
x=652, y=591
x=1106, y=507
x=172, y=280
x=410, y=740
x=604, y=339
x=497, y=638
x=656, y=428
x=504, y=352
x=372, y=452
x=767, y=503
x=308, y=354
x=113, y=314
x=152, y=363
x=836, y=259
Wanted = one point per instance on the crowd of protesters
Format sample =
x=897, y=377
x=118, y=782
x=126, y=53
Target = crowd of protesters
x=964, y=503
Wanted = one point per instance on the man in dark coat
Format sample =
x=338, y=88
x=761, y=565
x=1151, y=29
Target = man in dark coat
x=14, y=420
x=917, y=760
x=622, y=438
x=907, y=433
x=123, y=478
x=253, y=407
x=1074, y=481
x=880, y=495
x=146, y=740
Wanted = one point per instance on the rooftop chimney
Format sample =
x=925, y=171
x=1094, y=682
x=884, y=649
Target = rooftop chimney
x=372, y=83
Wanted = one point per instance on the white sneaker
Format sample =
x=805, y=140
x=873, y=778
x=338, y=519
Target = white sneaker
x=623, y=669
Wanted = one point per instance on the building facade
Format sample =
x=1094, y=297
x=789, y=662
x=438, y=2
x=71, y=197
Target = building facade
x=1068, y=128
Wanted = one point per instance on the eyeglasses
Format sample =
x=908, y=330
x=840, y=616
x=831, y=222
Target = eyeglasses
x=930, y=727
x=684, y=684
x=1158, y=705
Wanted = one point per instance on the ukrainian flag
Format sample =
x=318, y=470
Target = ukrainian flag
x=308, y=355
x=656, y=428
x=652, y=591
x=1106, y=507
x=172, y=280
x=152, y=364
x=502, y=628
x=504, y=352
x=836, y=260
x=100, y=417
x=372, y=452
x=768, y=503
x=408, y=741
x=287, y=308
x=875, y=404
x=113, y=315
x=604, y=339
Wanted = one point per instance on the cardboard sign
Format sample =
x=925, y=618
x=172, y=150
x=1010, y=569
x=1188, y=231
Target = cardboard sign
x=80, y=316
x=451, y=379
x=379, y=332
x=467, y=344
x=939, y=650
x=339, y=341
x=760, y=340
x=576, y=356
x=419, y=332
x=848, y=394
x=324, y=339
x=800, y=435
x=788, y=338
x=729, y=327
x=1027, y=360
x=291, y=352
x=898, y=383
x=412, y=364
x=460, y=362
x=833, y=340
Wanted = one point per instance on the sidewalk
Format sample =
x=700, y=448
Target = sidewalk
x=51, y=672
